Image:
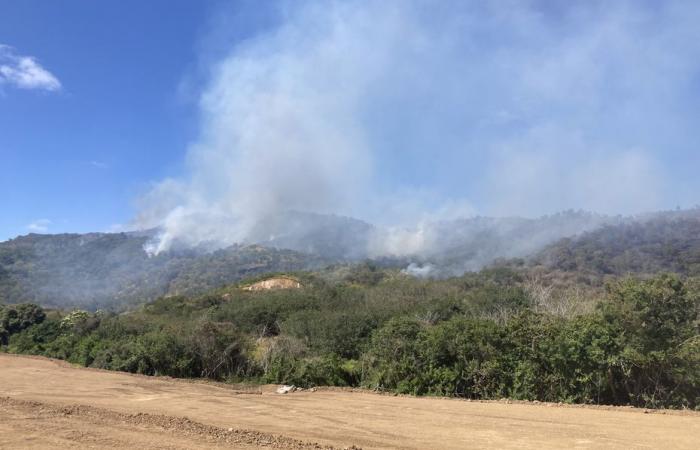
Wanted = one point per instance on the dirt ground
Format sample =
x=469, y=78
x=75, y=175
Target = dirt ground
x=50, y=404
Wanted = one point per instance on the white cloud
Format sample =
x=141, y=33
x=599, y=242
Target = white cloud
x=39, y=226
x=25, y=72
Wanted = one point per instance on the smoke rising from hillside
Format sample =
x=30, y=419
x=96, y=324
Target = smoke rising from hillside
x=405, y=113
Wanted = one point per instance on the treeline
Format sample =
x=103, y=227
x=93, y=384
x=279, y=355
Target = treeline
x=482, y=336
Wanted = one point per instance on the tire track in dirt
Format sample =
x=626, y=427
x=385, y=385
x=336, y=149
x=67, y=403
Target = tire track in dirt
x=98, y=418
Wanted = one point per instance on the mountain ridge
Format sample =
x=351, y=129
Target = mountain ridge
x=112, y=270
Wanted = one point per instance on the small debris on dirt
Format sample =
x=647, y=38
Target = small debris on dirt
x=285, y=389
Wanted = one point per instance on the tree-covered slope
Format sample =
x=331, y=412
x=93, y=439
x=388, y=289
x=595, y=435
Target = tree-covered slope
x=112, y=270
x=664, y=243
x=99, y=270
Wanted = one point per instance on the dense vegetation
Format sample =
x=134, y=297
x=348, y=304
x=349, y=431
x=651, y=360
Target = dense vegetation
x=494, y=334
x=16, y=318
x=667, y=243
x=589, y=319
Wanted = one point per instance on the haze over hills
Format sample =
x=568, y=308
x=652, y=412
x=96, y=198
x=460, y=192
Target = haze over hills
x=660, y=243
x=113, y=270
x=102, y=270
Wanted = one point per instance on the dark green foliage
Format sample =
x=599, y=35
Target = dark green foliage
x=658, y=319
x=393, y=359
x=639, y=349
x=15, y=318
x=476, y=336
x=554, y=359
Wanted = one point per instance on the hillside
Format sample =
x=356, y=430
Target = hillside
x=660, y=243
x=99, y=270
x=112, y=270
x=470, y=244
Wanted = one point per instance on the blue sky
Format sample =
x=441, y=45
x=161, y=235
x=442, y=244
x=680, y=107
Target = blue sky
x=202, y=116
x=79, y=156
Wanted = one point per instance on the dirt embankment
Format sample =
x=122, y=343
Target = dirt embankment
x=274, y=283
x=49, y=404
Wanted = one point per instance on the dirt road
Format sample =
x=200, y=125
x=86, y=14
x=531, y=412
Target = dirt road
x=45, y=403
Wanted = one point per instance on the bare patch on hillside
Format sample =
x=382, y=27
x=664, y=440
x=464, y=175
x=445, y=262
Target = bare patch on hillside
x=274, y=284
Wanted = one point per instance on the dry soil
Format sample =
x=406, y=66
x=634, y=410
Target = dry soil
x=50, y=404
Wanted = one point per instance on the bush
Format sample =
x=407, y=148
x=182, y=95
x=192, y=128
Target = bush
x=15, y=318
x=477, y=336
x=657, y=323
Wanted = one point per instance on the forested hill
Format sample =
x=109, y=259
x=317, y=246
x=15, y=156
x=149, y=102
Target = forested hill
x=99, y=270
x=112, y=270
x=662, y=243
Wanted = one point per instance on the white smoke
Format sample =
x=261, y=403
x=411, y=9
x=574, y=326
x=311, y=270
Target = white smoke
x=419, y=271
x=411, y=112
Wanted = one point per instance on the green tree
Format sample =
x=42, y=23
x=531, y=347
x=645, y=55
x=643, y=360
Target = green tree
x=15, y=318
x=656, y=319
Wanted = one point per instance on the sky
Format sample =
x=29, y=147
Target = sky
x=74, y=155
x=202, y=117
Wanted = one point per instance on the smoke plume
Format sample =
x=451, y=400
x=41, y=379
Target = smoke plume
x=409, y=113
